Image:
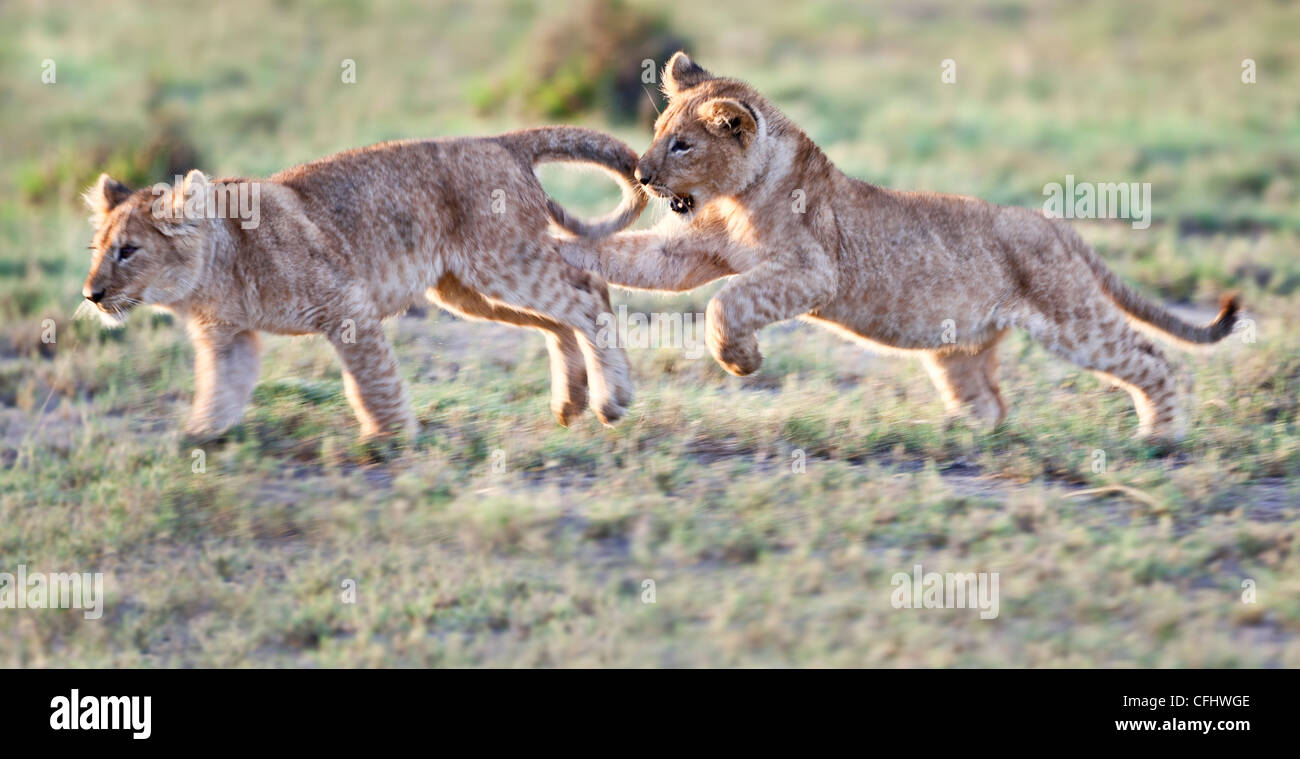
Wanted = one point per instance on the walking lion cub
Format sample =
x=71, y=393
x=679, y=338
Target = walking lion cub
x=344, y=242
x=941, y=276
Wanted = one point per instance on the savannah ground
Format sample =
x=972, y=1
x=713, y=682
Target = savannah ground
x=770, y=512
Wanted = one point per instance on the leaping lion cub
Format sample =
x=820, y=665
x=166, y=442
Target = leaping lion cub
x=899, y=270
x=348, y=240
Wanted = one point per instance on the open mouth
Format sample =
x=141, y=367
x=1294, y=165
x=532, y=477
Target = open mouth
x=679, y=204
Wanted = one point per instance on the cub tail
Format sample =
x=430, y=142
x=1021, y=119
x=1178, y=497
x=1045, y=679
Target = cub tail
x=1160, y=318
x=579, y=145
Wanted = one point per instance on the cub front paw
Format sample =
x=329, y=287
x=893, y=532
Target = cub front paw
x=195, y=435
x=203, y=429
x=740, y=356
x=398, y=431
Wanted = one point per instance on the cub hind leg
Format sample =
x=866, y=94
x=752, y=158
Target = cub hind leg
x=967, y=380
x=536, y=280
x=1096, y=335
x=1113, y=350
x=568, y=366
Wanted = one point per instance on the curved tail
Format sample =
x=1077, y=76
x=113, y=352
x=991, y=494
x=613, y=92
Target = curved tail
x=1150, y=313
x=567, y=143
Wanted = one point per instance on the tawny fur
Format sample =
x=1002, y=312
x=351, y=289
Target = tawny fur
x=349, y=240
x=943, y=276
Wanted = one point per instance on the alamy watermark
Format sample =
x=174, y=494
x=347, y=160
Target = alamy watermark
x=655, y=330
x=77, y=712
x=59, y=590
x=209, y=200
x=951, y=590
x=1107, y=200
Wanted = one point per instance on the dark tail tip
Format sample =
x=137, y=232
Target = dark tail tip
x=1229, y=306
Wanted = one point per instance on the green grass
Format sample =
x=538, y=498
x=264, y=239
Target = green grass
x=501, y=539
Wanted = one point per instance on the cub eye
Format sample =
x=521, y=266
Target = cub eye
x=125, y=252
x=677, y=146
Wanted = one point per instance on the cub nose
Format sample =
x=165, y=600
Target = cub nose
x=93, y=297
x=644, y=176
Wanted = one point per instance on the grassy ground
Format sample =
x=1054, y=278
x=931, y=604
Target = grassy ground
x=769, y=512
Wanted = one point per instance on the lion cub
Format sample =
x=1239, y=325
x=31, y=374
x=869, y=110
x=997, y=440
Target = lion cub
x=342, y=243
x=941, y=276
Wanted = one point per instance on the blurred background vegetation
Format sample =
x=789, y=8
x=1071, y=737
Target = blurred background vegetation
x=1043, y=89
x=542, y=564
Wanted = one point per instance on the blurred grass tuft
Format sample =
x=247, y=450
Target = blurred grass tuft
x=591, y=61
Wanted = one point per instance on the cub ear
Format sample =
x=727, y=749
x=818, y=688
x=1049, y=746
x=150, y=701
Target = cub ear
x=103, y=196
x=730, y=117
x=194, y=182
x=681, y=73
x=188, y=203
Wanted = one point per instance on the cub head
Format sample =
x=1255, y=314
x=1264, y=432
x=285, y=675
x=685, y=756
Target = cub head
x=147, y=249
x=711, y=140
